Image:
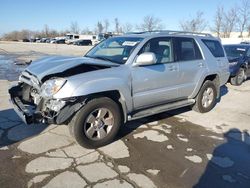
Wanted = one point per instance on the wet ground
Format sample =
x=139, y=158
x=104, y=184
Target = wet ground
x=176, y=149
x=8, y=69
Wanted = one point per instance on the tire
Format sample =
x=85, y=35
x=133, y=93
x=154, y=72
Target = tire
x=97, y=123
x=239, y=78
x=206, y=98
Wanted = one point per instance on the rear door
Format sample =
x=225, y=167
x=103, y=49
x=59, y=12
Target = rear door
x=191, y=65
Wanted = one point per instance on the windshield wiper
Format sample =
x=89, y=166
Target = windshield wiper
x=103, y=58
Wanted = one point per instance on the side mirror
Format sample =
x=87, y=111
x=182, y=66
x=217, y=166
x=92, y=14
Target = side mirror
x=147, y=58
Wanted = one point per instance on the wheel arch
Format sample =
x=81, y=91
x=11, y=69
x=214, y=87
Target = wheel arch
x=116, y=96
x=212, y=77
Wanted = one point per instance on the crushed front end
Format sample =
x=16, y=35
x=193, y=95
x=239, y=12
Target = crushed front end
x=33, y=101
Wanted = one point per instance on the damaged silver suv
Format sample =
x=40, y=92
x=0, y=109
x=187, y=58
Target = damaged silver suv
x=121, y=79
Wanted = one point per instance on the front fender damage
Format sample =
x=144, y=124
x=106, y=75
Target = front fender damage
x=50, y=111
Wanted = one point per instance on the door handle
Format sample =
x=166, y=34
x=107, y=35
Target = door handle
x=201, y=65
x=172, y=68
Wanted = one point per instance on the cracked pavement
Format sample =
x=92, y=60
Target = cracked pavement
x=180, y=148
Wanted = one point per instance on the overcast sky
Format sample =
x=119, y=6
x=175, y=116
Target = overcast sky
x=58, y=14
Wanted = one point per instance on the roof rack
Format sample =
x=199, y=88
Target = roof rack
x=170, y=32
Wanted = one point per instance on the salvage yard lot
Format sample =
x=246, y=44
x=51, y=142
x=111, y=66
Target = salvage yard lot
x=179, y=148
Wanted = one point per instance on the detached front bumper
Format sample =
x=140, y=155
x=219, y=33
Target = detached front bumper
x=49, y=111
x=23, y=110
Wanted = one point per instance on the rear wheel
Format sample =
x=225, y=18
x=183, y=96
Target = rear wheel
x=97, y=123
x=206, y=98
x=239, y=78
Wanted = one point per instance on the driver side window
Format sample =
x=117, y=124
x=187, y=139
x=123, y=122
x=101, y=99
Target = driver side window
x=161, y=47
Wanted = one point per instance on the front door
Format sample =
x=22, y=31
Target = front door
x=156, y=84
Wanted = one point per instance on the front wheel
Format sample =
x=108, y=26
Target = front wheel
x=239, y=78
x=206, y=98
x=97, y=123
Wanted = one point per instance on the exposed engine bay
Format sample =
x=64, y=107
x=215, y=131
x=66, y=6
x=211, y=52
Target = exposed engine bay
x=36, y=107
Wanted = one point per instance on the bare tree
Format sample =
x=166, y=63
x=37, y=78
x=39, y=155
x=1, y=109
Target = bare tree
x=248, y=30
x=244, y=15
x=86, y=31
x=18, y=35
x=11, y=36
x=196, y=24
x=150, y=23
x=127, y=27
x=74, y=28
x=106, y=25
x=63, y=32
x=229, y=23
x=118, y=28
x=218, y=21
x=53, y=33
x=99, y=27
x=46, y=30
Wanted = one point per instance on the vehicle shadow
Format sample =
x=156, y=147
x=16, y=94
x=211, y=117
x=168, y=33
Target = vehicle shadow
x=12, y=129
x=132, y=125
x=229, y=164
x=223, y=91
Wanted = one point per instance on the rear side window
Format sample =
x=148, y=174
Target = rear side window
x=214, y=47
x=187, y=49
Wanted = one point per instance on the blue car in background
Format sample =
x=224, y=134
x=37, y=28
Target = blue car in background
x=239, y=62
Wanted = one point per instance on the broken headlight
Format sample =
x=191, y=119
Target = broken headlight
x=51, y=87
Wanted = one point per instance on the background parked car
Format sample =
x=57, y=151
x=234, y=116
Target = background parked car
x=26, y=40
x=43, y=40
x=82, y=42
x=58, y=41
x=239, y=62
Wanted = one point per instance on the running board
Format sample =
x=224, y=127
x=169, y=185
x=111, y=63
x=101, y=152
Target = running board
x=160, y=109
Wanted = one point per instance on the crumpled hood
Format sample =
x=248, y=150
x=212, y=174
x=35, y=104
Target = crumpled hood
x=58, y=64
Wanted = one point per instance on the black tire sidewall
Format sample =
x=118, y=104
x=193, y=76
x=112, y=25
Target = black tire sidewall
x=206, y=85
x=239, y=83
x=78, y=127
x=234, y=80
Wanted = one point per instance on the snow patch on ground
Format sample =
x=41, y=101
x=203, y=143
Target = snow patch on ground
x=152, y=136
x=194, y=158
x=182, y=137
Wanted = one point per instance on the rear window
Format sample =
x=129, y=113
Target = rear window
x=187, y=49
x=214, y=47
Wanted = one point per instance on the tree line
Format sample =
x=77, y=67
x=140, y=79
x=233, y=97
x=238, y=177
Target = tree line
x=237, y=18
x=149, y=23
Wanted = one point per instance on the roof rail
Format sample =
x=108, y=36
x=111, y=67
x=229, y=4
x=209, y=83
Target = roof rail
x=171, y=32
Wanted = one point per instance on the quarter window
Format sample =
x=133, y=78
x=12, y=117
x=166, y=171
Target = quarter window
x=161, y=47
x=215, y=47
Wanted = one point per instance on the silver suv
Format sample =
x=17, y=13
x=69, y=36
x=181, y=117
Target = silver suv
x=121, y=79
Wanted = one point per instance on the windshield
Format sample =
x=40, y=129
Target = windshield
x=235, y=51
x=117, y=49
